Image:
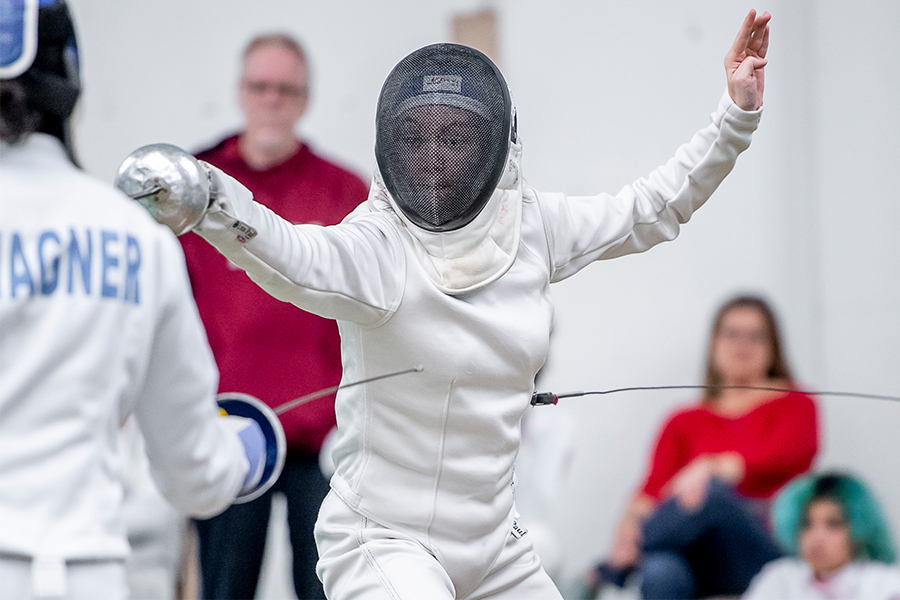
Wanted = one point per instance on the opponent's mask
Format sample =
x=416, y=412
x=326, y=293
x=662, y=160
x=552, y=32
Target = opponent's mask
x=38, y=50
x=442, y=134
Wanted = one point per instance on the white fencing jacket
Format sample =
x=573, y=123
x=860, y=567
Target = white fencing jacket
x=432, y=453
x=97, y=322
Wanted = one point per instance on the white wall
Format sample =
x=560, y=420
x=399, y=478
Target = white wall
x=606, y=91
x=807, y=218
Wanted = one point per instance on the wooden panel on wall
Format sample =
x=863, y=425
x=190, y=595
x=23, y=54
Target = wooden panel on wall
x=478, y=30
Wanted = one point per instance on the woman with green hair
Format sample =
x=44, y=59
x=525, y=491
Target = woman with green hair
x=839, y=542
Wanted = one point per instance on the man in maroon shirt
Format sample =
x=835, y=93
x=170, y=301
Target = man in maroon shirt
x=264, y=347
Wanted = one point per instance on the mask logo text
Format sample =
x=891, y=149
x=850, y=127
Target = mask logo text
x=442, y=83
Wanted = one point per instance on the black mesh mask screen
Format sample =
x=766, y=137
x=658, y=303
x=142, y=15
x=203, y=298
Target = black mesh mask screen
x=442, y=134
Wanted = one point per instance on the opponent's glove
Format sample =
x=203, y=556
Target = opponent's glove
x=262, y=435
x=251, y=436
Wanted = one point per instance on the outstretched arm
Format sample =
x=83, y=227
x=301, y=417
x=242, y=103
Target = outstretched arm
x=746, y=61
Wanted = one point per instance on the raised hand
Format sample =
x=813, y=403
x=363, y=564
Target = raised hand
x=745, y=62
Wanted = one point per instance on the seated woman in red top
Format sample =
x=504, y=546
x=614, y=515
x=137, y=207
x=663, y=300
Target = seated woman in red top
x=697, y=527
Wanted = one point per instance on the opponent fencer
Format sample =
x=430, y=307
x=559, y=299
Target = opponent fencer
x=447, y=265
x=96, y=322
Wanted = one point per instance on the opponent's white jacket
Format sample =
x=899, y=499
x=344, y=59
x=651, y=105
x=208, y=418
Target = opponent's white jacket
x=432, y=453
x=96, y=322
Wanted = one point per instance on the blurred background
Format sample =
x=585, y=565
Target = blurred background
x=606, y=91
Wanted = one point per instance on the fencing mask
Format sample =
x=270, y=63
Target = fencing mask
x=39, y=67
x=447, y=156
x=442, y=134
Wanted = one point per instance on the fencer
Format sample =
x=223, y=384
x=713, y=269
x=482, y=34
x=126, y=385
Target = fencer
x=97, y=322
x=448, y=265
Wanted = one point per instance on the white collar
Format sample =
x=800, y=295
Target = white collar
x=36, y=148
x=471, y=257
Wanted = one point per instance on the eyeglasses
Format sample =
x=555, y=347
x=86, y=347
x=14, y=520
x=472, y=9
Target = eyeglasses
x=737, y=335
x=285, y=90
